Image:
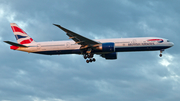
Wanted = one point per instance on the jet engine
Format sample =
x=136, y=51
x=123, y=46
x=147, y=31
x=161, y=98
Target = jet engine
x=107, y=47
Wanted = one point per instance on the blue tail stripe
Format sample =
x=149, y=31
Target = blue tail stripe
x=19, y=37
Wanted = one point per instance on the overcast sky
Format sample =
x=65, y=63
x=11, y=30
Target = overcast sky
x=134, y=76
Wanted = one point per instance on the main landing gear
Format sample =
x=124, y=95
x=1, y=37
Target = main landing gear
x=161, y=52
x=90, y=56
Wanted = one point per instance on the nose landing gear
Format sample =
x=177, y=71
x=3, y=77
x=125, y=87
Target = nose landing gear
x=161, y=52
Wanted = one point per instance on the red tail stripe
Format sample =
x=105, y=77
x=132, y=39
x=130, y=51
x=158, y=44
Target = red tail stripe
x=14, y=47
x=17, y=29
x=26, y=41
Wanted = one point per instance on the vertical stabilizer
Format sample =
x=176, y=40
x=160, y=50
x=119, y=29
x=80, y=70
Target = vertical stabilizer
x=21, y=36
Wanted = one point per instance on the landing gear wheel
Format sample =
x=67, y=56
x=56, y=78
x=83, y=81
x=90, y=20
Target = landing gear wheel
x=85, y=57
x=160, y=55
x=94, y=59
x=90, y=60
x=88, y=56
x=87, y=61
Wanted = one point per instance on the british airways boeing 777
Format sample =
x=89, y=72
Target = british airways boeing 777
x=106, y=48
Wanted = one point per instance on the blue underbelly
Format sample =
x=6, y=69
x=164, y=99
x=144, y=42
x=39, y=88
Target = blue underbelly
x=117, y=49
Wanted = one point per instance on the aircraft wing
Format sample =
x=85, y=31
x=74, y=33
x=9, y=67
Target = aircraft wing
x=81, y=40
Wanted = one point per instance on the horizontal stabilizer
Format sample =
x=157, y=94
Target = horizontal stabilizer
x=15, y=44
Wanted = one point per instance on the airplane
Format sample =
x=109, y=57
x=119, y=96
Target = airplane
x=106, y=48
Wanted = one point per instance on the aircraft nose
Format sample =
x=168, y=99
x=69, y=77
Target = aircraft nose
x=172, y=44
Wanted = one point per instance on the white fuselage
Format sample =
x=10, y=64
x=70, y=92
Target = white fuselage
x=121, y=45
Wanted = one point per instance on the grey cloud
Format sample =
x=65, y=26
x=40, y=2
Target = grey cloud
x=134, y=76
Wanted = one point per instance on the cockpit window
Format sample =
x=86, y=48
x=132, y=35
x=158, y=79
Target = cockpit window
x=168, y=41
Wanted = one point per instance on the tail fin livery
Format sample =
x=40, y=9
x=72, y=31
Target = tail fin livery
x=21, y=36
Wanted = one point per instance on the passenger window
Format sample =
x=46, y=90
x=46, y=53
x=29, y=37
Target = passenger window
x=168, y=41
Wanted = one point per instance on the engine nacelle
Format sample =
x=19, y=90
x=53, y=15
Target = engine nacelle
x=110, y=55
x=107, y=47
